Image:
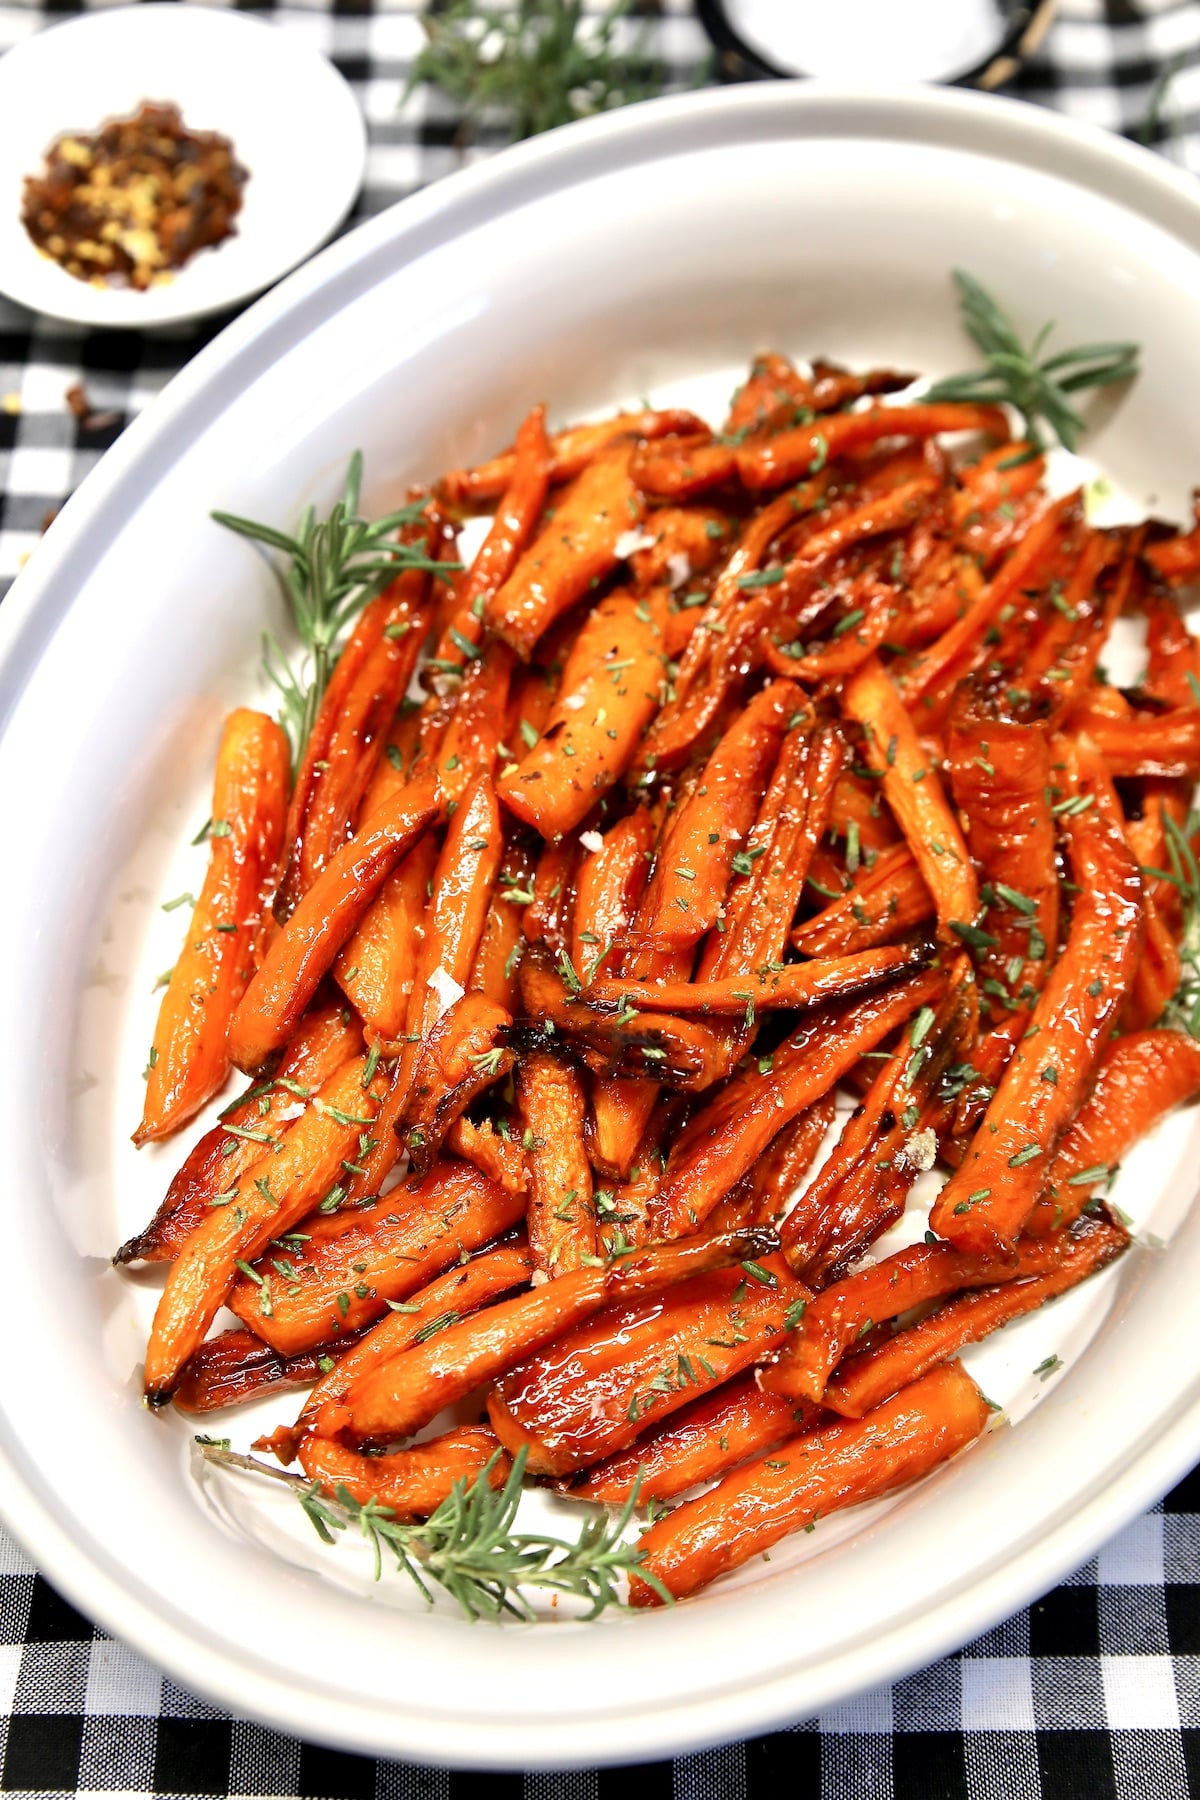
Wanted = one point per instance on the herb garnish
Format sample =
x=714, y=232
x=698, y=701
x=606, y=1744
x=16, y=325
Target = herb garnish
x=467, y=1546
x=334, y=567
x=1037, y=387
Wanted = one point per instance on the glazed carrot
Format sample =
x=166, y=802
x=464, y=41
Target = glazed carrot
x=621, y=1111
x=868, y=625
x=357, y=733
x=596, y=1388
x=681, y=468
x=465, y=1053
x=575, y=549
x=494, y=972
x=792, y=985
x=761, y=902
x=862, y=1381
x=725, y=641
x=845, y=1312
x=550, y=912
x=713, y=1434
x=463, y=1289
x=809, y=1477
x=329, y=912
x=498, y=1156
x=237, y=1366
x=376, y=966
x=985, y=1203
x=516, y=518
x=401, y=1395
x=965, y=640
x=612, y=879
x=805, y=449
x=693, y=866
x=1159, y=971
x=609, y=692
x=1142, y=1077
x=325, y=1040
x=304, y=1165
x=789, y=1157
x=341, y=1270
x=562, y=1224
x=411, y=1483
x=1177, y=559
x=885, y=901
x=1163, y=745
x=475, y=728
x=688, y=540
x=1001, y=778
x=727, y=1136
x=192, y=1053
x=570, y=453
x=913, y=791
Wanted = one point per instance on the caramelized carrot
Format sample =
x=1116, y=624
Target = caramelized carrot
x=595, y=1389
x=987, y=1200
x=913, y=791
x=611, y=882
x=609, y=693
x=494, y=972
x=885, y=901
x=570, y=453
x=1141, y=1078
x=791, y=985
x=727, y=1136
x=809, y=1477
x=304, y=1165
x=402, y=1394
x=238, y=1366
x=465, y=1053
x=192, y=1051
x=1044, y=1271
x=789, y=1157
x=562, y=1225
x=326, y=1039
x=713, y=1434
x=498, y=1156
x=329, y=912
x=805, y=449
x=376, y=966
x=577, y=548
x=411, y=1483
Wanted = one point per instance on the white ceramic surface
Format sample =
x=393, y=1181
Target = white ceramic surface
x=293, y=122
x=652, y=251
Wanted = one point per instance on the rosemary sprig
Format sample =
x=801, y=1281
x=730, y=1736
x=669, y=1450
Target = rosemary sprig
x=530, y=62
x=1183, y=1009
x=468, y=1547
x=1038, y=387
x=333, y=567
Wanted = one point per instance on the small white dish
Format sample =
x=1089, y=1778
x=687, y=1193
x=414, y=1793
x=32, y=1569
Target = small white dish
x=294, y=124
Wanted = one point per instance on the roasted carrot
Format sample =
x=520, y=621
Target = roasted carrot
x=596, y=1388
x=494, y=1152
x=1142, y=1077
x=327, y=1038
x=575, y=549
x=376, y=965
x=237, y=1366
x=915, y=794
x=329, y=912
x=463, y=1055
x=410, y=1483
x=562, y=1224
x=341, y=1270
x=609, y=692
x=805, y=449
x=192, y=1051
x=808, y=1478
x=612, y=879
x=570, y=453
x=790, y=985
x=494, y=972
x=401, y=1395
x=304, y=1166
x=885, y=901
x=987, y=1200
x=727, y=1136
x=712, y=1434
x=783, y=1166
x=681, y=468
x=470, y=745
x=1044, y=1271
x=1164, y=745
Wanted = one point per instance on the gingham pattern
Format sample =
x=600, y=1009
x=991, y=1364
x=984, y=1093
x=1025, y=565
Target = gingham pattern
x=1090, y=1694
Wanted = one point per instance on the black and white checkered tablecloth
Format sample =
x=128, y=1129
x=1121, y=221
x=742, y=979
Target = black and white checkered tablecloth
x=1094, y=1691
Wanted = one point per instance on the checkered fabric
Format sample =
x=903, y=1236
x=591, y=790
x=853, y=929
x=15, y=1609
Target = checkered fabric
x=1093, y=1692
